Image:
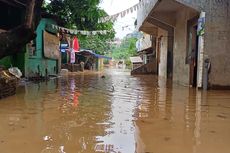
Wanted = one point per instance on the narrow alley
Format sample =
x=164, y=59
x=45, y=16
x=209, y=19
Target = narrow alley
x=85, y=112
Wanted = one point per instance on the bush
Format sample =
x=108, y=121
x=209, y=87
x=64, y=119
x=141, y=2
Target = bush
x=128, y=63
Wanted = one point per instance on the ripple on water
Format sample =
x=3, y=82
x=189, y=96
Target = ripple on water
x=119, y=113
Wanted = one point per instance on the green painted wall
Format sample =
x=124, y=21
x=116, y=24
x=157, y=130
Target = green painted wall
x=99, y=64
x=38, y=64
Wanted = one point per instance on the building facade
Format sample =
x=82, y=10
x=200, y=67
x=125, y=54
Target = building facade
x=192, y=39
x=43, y=56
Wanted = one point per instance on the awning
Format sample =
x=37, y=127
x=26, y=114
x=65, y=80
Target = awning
x=136, y=59
x=146, y=51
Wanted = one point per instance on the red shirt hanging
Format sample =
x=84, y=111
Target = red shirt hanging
x=76, y=46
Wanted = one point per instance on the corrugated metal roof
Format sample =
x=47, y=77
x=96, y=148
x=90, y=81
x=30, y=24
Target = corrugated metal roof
x=136, y=59
x=90, y=52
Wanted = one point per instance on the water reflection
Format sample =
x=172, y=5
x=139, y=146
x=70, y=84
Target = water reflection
x=180, y=120
x=124, y=99
x=119, y=113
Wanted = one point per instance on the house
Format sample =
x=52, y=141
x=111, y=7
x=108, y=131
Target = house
x=43, y=56
x=136, y=62
x=187, y=33
x=146, y=50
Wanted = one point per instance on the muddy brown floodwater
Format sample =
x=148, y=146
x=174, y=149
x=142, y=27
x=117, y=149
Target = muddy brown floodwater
x=85, y=113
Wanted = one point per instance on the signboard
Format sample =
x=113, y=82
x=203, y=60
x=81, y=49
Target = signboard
x=201, y=24
x=51, y=46
x=200, y=30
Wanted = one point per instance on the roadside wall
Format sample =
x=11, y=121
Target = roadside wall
x=217, y=38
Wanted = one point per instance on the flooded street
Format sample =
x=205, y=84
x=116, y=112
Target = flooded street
x=85, y=113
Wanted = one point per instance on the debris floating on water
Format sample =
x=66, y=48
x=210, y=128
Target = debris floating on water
x=47, y=138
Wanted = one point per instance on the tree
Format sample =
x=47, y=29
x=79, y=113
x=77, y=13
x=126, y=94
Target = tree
x=12, y=41
x=84, y=15
x=125, y=50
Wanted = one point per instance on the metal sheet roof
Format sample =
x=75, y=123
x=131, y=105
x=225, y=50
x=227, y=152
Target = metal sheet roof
x=136, y=59
x=90, y=52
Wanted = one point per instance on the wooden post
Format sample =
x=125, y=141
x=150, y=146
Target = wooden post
x=29, y=13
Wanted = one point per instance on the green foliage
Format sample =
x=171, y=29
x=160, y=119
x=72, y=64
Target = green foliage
x=84, y=15
x=98, y=43
x=125, y=50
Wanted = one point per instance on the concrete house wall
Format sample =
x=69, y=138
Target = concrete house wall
x=217, y=41
x=216, y=38
x=180, y=68
x=176, y=15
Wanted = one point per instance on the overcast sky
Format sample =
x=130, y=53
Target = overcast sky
x=116, y=6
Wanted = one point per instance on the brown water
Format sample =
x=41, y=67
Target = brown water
x=117, y=114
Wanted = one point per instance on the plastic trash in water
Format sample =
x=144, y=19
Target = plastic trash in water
x=61, y=149
x=15, y=71
x=47, y=138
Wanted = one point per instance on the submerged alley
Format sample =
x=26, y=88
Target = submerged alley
x=116, y=113
x=106, y=76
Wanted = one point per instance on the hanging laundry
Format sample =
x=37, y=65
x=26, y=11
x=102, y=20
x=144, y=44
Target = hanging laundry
x=72, y=56
x=76, y=46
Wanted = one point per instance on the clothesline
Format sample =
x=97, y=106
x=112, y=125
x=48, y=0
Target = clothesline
x=123, y=13
x=82, y=32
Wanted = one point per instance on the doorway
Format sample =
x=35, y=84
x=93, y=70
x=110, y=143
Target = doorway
x=193, y=55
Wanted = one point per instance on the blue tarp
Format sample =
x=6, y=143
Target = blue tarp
x=90, y=52
x=63, y=47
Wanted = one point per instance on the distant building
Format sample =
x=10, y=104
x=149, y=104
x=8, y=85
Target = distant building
x=136, y=62
x=145, y=49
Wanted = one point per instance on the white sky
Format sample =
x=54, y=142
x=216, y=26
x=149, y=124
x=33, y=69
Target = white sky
x=116, y=6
